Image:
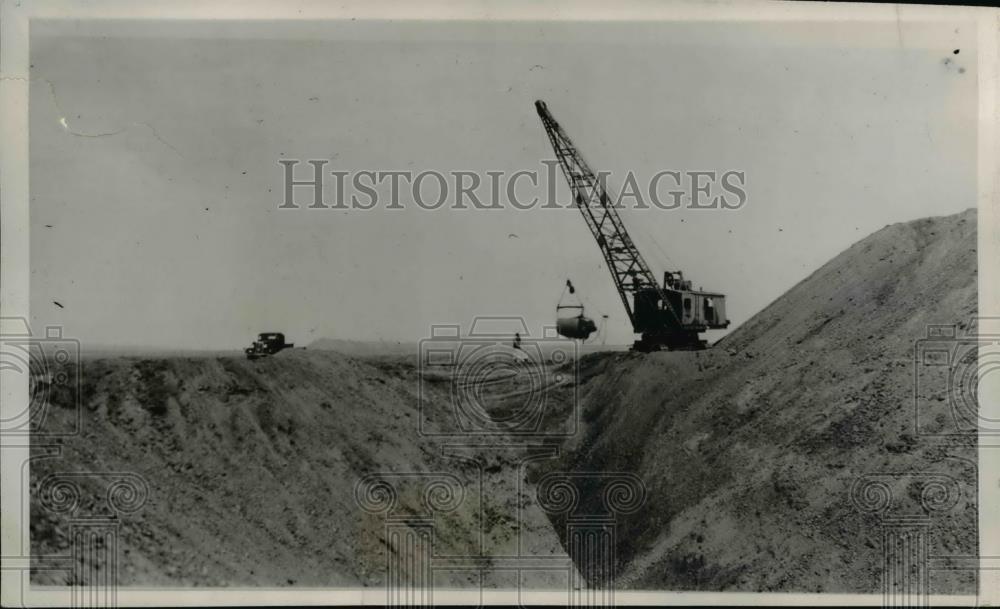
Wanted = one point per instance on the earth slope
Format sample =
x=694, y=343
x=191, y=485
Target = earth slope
x=749, y=450
x=251, y=469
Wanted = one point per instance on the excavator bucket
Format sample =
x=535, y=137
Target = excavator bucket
x=671, y=316
x=578, y=326
x=570, y=320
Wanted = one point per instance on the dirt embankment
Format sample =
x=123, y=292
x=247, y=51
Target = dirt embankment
x=251, y=469
x=749, y=450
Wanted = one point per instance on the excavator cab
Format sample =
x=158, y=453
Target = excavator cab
x=671, y=316
x=677, y=323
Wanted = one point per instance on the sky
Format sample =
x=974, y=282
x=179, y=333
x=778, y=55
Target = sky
x=155, y=182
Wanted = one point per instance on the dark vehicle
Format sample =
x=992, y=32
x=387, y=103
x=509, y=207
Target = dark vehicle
x=267, y=343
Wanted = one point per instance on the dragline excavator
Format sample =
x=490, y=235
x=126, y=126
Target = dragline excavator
x=671, y=315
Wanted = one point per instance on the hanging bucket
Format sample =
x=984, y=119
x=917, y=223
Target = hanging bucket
x=572, y=323
x=570, y=320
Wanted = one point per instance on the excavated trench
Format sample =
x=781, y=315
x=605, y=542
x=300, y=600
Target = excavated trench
x=747, y=453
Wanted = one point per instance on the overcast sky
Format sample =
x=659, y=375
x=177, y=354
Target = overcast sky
x=155, y=179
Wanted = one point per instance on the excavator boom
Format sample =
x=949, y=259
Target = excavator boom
x=666, y=317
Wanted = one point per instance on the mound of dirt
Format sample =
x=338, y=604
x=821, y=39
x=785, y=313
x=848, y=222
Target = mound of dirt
x=251, y=470
x=358, y=348
x=749, y=450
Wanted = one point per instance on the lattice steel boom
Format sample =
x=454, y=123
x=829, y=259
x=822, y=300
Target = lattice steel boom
x=664, y=314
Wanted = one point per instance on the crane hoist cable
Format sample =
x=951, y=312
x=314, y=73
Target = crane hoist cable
x=571, y=321
x=571, y=291
x=654, y=310
x=627, y=266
